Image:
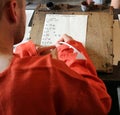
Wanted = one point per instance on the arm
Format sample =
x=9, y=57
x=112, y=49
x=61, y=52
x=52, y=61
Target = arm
x=83, y=67
x=72, y=58
x=115, y=4
x=30, y=49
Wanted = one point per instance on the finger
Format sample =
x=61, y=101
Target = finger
x=66, y=37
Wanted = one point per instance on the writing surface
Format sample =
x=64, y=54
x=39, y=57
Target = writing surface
x=56, y=25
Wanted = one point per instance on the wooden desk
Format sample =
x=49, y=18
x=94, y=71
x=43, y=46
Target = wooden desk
x=99, y=40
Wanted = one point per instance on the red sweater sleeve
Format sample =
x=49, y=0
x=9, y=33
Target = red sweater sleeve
x=69, y=56
x=85, y=68
x=26, y=49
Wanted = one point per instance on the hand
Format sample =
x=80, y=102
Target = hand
x=89, y=1
x=64, y=38
x=44, y=50
x=115, y=4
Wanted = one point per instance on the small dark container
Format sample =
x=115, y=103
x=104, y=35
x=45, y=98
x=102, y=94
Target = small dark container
x=50, y=5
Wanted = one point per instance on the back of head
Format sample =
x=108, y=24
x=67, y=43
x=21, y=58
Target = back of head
x=12, y=19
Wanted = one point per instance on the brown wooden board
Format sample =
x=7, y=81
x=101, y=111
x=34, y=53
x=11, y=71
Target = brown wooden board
x=99, y=41
x=116, y=41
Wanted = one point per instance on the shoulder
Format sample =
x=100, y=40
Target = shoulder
x=33, y=62
x=41, y=65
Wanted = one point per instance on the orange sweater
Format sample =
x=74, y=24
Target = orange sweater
x=40, y=85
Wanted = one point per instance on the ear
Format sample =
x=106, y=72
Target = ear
x=12, y=11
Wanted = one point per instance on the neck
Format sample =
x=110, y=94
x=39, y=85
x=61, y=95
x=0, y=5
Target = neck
x=7, y=30
x=6, y=50
x=6, y=56
x=5, y=61
x=6, y=40
x=6, y=46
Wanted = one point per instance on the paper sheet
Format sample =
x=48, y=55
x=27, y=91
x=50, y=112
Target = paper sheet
x=56, y=25
x=119, y=17
x=29, y=14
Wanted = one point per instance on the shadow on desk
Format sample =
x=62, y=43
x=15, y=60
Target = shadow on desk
x=112, y=82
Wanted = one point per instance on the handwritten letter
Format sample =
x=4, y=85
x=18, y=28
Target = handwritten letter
x=56, y=25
